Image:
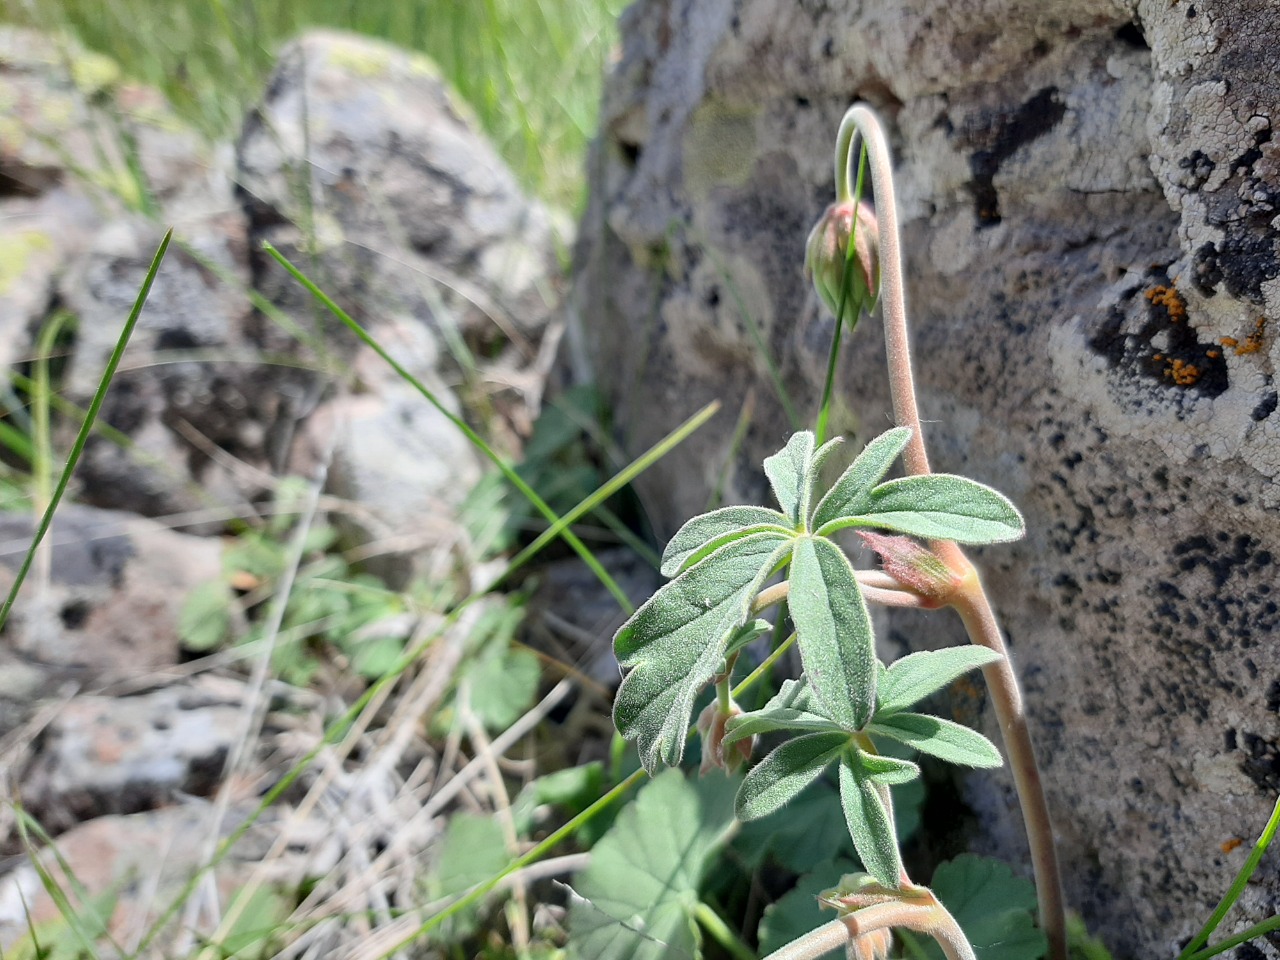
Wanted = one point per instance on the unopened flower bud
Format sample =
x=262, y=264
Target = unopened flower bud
x=912, y=564
x=826, y=256
x=711, y=727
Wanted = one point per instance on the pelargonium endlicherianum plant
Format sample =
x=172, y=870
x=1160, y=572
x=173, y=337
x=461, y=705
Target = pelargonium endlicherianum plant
x=846, y=704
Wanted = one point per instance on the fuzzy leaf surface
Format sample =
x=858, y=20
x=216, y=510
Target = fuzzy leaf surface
x=915, y=676
x=792, y=471
x=780, y=776
x=792, y=708
x=850, y=494
x=992, y=906
x=937, y=507
x=889, y=771
x=705, y=534
x=868, y=822
x=747, y=633
x=836, y=643
x=675, y=642
x=939, y=738
x=636, y=900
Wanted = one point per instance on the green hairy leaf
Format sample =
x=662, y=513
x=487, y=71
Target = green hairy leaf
x=834, y=634
x=676, y=641
x=937, y=507
x=993, y=907
x=849, y=495
x=918, y=675
x=780, y=776
x=705, y=534
x=939, y=738
x=792, y=708
x=889, y=771
x=746, y=634
x=636, y=900
x=868, y=822
x=792, y=472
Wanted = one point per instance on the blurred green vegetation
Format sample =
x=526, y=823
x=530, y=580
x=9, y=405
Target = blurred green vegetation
x=531, y=69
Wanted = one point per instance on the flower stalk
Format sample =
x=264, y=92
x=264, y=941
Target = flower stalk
x=969, y=597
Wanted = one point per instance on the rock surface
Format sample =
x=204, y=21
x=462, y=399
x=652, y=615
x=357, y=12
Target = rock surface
x=1089, y=200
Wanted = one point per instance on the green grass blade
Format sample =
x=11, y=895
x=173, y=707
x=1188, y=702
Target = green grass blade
x=514, y=478
x=1237, y=887
x=824, y=410
x=1257, y=930
x=612, y=486
x=86, y=427
x=478, y=892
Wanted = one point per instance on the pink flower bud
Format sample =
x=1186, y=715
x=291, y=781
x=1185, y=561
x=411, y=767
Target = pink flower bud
x=826, y=256
x=912, y=564
x=711, y=727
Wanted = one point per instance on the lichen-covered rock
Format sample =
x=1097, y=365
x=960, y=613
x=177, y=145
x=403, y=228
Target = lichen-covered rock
x=111, y=755
x=106, y=605
x=1088, y=192
x=366, y=153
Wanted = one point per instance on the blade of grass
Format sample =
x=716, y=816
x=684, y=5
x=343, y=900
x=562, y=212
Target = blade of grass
x=824, y=410
x=74, y=918
x=86, y=427
x=610, y=487
x=1257, y=930
x=1237, y=887
x=479, y=891
x=514, y=478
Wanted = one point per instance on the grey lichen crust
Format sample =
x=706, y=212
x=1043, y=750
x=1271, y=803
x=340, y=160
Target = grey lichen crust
x=1089, y=193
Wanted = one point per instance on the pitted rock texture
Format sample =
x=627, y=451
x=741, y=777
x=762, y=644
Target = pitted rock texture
x=1088, y=193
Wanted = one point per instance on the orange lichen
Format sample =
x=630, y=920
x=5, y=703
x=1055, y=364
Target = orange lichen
x=1169, y=298
x=1229, y=845
x=1252, y=343
x=1182, y=373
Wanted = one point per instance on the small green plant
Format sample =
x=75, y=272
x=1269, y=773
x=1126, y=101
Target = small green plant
x=845, y=705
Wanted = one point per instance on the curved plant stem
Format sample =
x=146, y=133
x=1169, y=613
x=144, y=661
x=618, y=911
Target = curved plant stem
x=970, y=599
x=980, y=622
x=933, y=920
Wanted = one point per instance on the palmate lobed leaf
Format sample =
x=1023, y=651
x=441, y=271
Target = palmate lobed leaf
x=705, y=534
x=912, y=678
x=675, y=642
x=636, y=900
x=940, y=738
x=992, y=906
x=833, y=628
x=938, y=506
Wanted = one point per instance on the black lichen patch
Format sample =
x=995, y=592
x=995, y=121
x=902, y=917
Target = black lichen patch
x=1127, y=339
x=1266, y=406
x=1195, y=623
x=1246, y=259
x=996, y=136
x=1262, y=765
